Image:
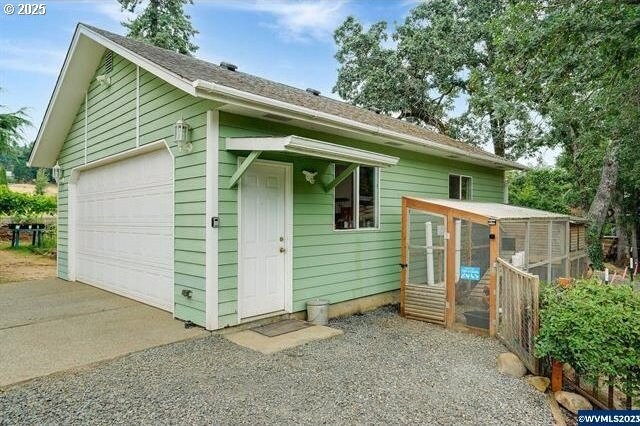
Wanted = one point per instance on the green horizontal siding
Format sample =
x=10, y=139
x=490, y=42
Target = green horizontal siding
x=335, y=265
x=111, y=129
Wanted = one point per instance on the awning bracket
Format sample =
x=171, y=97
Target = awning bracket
x=243, y=168
x=342, y=176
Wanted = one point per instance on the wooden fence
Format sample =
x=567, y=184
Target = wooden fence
x=517, y=310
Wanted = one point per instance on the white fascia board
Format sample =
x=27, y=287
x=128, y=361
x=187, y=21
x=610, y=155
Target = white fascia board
x=239, y=97
x=312, y=148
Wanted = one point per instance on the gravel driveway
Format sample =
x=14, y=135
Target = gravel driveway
x=384, y=369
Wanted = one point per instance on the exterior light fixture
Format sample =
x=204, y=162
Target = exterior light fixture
x=56, y=172
x=182, y=136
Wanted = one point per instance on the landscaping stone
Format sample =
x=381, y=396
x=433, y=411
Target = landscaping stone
x=509, y=363
x=568, y=372
x=538, y=382
x=572, y=401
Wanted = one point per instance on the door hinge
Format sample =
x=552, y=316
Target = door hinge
x=215, y=222
x=403, y=265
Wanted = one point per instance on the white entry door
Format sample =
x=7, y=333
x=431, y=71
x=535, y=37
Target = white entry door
x=263, y=240
x=124, y=228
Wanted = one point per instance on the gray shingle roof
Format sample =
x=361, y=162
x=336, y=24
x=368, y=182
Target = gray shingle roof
x=193, y=69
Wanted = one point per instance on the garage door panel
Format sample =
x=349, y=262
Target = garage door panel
x=124, y=228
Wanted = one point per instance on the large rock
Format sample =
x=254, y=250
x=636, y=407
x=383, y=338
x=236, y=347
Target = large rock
x=572, y=401
x=538, y=382
x=509, y=363
x=569, y=372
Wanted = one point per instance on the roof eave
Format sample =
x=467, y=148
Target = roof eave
x=227, y=94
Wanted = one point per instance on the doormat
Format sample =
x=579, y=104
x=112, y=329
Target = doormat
x=281, y=327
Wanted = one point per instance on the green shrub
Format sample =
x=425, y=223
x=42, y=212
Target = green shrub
x=25, y=207
x=595, y=328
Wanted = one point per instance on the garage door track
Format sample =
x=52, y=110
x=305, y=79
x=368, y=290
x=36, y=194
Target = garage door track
x=53, y=325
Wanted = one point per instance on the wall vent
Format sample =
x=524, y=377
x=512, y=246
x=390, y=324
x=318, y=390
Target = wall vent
x=314, y=92
x=228, y=66
x=108, y=62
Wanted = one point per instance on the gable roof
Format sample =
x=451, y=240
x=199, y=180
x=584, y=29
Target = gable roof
x=201, y=78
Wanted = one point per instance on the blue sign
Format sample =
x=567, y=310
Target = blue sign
x=470, y=273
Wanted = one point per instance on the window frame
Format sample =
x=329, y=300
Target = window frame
x=356, y=197
x=470, y=198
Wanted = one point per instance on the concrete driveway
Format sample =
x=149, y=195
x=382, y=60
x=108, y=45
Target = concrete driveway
x=53, y=325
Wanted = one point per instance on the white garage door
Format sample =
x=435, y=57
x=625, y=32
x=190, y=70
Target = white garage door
x=124, y=228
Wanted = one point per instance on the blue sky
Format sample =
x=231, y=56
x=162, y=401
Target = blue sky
x=284, y=40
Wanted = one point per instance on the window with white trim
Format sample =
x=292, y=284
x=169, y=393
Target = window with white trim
x=356, y=199
x=460, y=187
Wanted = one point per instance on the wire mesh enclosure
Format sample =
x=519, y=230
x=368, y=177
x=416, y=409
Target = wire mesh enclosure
x=450, y=252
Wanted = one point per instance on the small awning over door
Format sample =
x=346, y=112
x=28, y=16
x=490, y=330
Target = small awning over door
x=307, y=147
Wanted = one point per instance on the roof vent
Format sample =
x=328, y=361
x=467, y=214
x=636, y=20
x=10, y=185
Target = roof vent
x=314, y=92
x=228, y=66
x=108, y=62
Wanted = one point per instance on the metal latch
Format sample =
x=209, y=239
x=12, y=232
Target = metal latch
x=403, y=265
x=215, y=222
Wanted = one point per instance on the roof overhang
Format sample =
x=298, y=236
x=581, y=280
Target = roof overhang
x=244, y=103
x=483, y=209
x=85, y=53
x=311, y=148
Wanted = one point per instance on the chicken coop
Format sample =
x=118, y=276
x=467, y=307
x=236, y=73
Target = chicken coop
x=451, y=248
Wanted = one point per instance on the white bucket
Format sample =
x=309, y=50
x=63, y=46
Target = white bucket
x=318, y=311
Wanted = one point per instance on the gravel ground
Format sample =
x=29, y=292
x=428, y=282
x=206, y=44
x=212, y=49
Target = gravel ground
x=384, y=369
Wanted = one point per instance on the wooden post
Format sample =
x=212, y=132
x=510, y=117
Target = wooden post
x=556, y=376
x=451, y=271
x=610, y=395
x=404, y=256
x=493, y=259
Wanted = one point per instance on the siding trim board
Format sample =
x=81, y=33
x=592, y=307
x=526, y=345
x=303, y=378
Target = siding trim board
x=212, y=234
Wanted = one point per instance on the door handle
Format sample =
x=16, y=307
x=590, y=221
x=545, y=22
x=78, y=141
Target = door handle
x=282, y=249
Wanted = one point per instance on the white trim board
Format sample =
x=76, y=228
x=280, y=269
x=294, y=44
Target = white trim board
x=211, y=233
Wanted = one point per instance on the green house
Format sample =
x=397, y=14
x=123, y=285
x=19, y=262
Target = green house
x=223, y=197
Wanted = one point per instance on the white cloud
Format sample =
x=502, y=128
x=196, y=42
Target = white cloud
x=24, y=57
x=297, y=20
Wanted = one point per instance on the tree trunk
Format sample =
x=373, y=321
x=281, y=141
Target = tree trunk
x=635, y=224
x=497, y=135
x=621, y=229
x=600, y=204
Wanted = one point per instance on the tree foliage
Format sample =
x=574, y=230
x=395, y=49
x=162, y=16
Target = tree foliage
x=444, y=49
x=3, y=178
x=595, y=328
x=11, y=126
x=577, y=63
x=162, y=23
x=15, y=160
x=42, y=180
x=543, y=188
